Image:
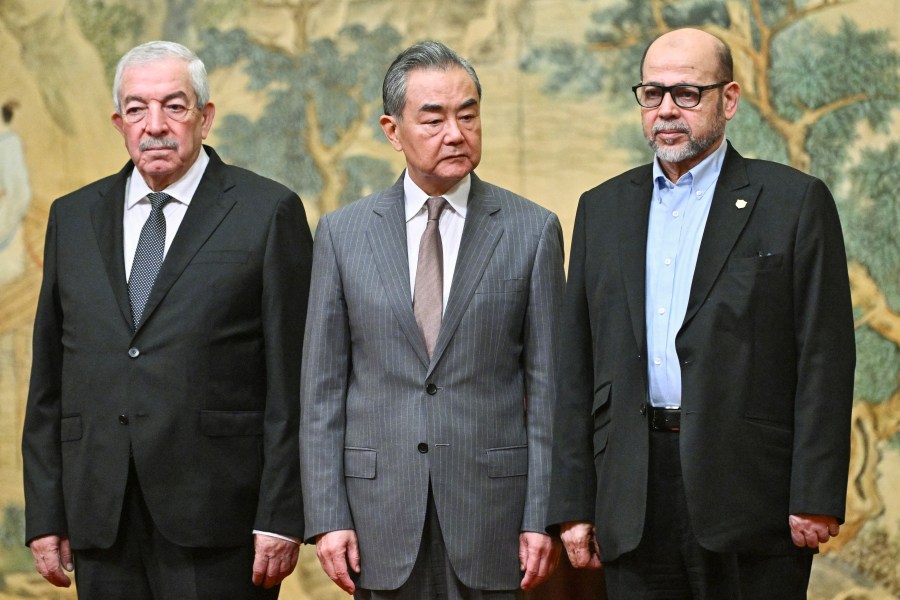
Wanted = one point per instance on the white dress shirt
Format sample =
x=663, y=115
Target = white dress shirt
x=453, y=219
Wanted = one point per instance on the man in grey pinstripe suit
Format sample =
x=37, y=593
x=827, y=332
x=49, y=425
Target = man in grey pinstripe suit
x=426, y=470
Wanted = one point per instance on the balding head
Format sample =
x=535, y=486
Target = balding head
x=692, y=49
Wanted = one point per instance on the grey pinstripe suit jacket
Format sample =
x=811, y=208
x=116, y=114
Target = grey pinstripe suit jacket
x=371, y=397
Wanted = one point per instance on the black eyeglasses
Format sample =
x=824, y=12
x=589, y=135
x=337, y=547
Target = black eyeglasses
x=685, y=96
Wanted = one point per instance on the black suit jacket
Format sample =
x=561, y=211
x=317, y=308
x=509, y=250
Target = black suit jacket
x=767, y=358
x=204, y=394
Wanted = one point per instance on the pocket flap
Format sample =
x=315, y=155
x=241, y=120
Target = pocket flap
x=511, y=461
x=70, y=428
x=601, y=398
x=359, y=462
x=216, y=423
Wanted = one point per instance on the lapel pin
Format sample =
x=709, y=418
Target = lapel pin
x=741, y=203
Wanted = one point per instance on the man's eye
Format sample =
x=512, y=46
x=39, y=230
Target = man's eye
x=135, y=110
x=651, y=93
x=687, y=94
x=175, y=109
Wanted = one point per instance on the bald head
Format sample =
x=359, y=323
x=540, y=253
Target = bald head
x=690, y=49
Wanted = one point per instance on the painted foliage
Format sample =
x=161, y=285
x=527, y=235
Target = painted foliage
x=297, y=88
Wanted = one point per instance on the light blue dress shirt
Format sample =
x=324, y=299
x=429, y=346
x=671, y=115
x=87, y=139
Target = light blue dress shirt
x=678, y=213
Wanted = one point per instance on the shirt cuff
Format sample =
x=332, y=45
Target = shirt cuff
x=279, y=536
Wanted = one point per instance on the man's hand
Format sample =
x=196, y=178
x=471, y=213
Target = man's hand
x=335, y=550
x=810, y=530
x=52, y=554
x=538, y=557
x=275, y=559
x=581, y=544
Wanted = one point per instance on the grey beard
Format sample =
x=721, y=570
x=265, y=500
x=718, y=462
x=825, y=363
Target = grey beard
x=693, y=148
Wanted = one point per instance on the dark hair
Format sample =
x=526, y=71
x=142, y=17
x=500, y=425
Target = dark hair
x=424, y=55
x=9, y=108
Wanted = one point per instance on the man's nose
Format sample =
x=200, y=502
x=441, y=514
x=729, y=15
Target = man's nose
x=156, y=118
x=667, y=106
x=452, y=133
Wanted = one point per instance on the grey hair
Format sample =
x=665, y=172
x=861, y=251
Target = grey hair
x=152, y=52
x=424, y=55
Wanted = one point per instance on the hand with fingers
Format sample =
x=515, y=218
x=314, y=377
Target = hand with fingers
x=52, y=554
x=811, y=530
x=538, y=557
x=581, y=544
x=338, y=552
x=275, y=559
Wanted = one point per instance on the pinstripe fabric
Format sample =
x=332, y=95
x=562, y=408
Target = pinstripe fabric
x=366, y=406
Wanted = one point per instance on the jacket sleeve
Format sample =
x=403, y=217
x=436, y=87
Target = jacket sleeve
x=539, y=361
x=41, y=452
x=326, y=368
x=826, y=358
x=286, y=274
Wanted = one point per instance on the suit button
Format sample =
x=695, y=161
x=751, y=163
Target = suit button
x=134, y=352
x=422, y=447
x=431, y=389
x=123, y=419
x=643, y=409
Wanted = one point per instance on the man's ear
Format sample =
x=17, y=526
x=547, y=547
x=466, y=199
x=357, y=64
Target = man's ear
x=118, y=122
x=390, y=127
x=730, y=97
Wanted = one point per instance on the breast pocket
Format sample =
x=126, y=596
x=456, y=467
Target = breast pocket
x=220, y=256
x=761, y=262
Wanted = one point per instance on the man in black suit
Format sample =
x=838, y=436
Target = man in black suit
x=702, y=433
x=160, y=442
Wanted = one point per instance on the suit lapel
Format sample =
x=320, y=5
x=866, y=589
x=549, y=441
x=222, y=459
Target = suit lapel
x=480, y=236
x=207, y=209
x=732, y=204
x=107, y=216
x=387, y=240
x=632, y=222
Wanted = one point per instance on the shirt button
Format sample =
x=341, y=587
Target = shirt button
x=123, y=419
x=431, y=389
x=667, y=262
x=422, y=447
x=674, y=213
x=661, y=311
x=657, y=361
x=134, y=352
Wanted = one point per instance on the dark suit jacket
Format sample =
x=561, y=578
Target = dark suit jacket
x=204, y=393
x=767, y=358
x=381, y=422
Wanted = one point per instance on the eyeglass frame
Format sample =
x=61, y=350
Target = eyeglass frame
x=163, y=104
x=667, y=89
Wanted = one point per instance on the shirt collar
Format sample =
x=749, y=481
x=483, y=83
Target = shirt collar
x=182, y=190
x=703, y=175
x=457, y=196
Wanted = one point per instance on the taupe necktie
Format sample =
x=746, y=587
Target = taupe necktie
x=148, y=256
x=428, y=299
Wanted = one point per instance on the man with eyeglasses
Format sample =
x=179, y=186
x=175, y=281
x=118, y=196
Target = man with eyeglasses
x=702, y=431
x=160, y=446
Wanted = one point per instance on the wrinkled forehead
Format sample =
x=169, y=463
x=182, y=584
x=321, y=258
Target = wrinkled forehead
x=161, y=78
